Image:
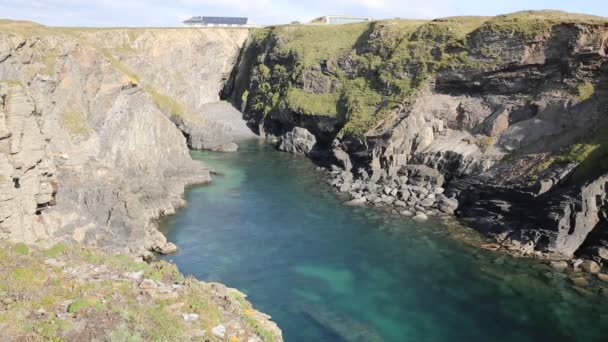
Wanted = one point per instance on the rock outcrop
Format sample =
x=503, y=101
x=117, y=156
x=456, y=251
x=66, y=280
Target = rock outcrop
x=510, y=110
x=73, y=293
x=95, y=126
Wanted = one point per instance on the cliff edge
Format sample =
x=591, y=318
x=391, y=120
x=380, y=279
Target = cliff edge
x=502, y=120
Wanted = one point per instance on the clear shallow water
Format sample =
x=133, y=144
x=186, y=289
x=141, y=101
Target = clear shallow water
x=272, y=228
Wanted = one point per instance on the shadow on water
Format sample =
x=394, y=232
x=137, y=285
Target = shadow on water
x=271, y=227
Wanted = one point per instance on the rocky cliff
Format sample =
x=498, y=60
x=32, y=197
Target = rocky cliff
x=95, y=126
x=509, y=111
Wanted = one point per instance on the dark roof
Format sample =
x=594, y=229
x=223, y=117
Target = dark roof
x=217, y=21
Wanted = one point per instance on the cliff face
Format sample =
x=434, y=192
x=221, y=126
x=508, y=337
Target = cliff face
x=512, y=110
x=90, y=142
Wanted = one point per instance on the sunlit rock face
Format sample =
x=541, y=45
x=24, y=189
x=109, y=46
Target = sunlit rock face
x=91, y=121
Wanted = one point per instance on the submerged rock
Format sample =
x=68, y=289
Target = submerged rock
x=559, y=265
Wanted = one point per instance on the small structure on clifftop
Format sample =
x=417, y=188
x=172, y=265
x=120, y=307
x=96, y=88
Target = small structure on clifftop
x=201, y=21
x=340, y=19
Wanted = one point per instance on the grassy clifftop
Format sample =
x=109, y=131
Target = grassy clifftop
x=359, y=73
x=68, y=293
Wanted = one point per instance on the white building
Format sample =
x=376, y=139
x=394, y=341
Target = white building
x=340, y=19
x=218, y=22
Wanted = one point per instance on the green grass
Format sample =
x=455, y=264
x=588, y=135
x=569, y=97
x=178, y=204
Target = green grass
x=161, y=100
x=12, y=83
x=591, y=155
x=312, y=104
x=585, y=91
x=315, y=43
x=83, y=303
x=21, y=249
x=166, y=102
x=486, y=143
x=75, y=122
x=55, y=250
x=49, y=60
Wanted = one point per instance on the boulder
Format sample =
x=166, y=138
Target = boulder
x=427, y=202
x=420, y=217
x=446, y=209
x=407, y=213
x=166, y=248
x=356, y=202
x=590, y=266
x=422, y=175
x=559, y=265
x=342, y=158
x=299, y=141
x=450, y=203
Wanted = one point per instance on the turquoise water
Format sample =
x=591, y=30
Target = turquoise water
x=272, y=228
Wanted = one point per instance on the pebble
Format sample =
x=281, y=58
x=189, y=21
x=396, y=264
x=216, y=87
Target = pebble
x=147, y=284
x=219, y=331
x=192, y=317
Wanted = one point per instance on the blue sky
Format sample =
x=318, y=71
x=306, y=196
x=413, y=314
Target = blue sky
x=171, y=12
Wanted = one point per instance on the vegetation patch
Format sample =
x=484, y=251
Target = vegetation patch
x=105, y=302
x=82, y=304
x=21, y=249
x=586, y=91
x=315, y=43
x=49, y=60
x=75, y=122
x=55, y=250
x=312, y=104
x=161, y=100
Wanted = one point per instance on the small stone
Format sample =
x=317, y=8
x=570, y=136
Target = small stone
x=450, y=203
x=577, y=262
x=166, y=248
x=356, y=202
x=427, y=202
x=147, y=256
x=54, y=263
x=400, y=204
x=559, y=265
x=147, y=284
x=394, y=192
x=190, y=317
x=219, y=331
x=407, y=213
x=439, y=191
x=420, y=217
x=135, y=275
x=387, y=190
x=445, y=209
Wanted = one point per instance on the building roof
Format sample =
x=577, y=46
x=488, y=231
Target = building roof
x=217, y=20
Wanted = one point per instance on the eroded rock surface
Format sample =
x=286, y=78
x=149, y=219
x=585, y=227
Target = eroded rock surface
x=90, y=143
x=510, y=110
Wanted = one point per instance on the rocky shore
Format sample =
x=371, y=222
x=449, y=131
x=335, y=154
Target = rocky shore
x=498, y=120
x=96, y=127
